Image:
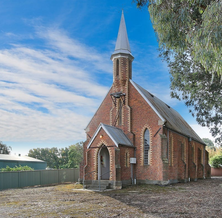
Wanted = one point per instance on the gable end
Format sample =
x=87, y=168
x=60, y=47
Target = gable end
x=154, y=109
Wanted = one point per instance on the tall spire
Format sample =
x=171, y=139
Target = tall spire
x=122, y=42
x=122, y=57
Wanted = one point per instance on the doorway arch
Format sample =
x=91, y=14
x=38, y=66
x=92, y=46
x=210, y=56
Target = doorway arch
x=103, y=163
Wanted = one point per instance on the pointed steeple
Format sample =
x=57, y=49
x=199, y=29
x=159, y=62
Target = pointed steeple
x=122, y=42
x=122, y=57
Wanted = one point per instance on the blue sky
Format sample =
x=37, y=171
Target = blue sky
x=55, y=67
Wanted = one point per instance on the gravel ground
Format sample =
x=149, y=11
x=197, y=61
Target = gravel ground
x=194, y=199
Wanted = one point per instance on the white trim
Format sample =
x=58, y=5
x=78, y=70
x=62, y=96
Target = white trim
x=97, y=131
x=94, y=135
x=109, y=135
x=147, y=101
x=122, y=55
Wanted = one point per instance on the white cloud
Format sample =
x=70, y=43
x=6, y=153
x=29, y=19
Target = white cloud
x=203, y=132
x=45, y=95
x=73, y=48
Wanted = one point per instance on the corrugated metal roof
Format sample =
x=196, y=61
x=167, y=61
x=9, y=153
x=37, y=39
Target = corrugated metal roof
x=18, y=158
x=116, y=135
x=173, y=119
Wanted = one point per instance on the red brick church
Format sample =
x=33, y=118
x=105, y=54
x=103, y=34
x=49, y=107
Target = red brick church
x=135, y=138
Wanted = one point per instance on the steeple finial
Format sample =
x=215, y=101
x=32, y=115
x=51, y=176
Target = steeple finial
x=122, y=42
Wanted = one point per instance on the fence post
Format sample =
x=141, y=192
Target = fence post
x=58, y=176
x=74, y=174
x=40, y=176
x=18, y=179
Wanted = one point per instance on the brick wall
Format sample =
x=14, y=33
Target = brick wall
x=144, y=117
x=169, y=159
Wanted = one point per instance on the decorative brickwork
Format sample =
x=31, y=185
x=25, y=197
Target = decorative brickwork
x=185, y=150
x=173, y=156
x=194, y=152
x=127, y=158
x=171, y=149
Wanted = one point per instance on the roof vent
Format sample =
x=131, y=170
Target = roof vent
x=151, y=95
x=167, y=105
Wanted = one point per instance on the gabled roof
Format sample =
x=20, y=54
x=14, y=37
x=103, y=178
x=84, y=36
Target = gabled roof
x=116, y=135
x=172, y=119
x=122, y=42
x=18, y=158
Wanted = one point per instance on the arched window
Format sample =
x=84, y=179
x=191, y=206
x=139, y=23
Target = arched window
x=117, y=67
x=130, y=69
x=146, y=146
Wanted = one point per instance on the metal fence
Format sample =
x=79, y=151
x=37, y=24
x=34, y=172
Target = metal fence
x=22, y=179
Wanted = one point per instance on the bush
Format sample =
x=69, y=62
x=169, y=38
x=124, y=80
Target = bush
x=216, y=161
x=214, y=151
x=16, y=168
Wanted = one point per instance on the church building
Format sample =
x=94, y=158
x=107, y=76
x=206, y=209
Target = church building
x=135, y=138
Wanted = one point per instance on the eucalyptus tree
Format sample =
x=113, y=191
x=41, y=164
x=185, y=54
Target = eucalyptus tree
x=4, y=149
x=189, y=33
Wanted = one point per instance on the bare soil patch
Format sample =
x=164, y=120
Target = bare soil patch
x=194, y=199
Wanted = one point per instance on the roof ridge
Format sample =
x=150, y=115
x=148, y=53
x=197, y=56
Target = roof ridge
x=111, y=126
x=172, y=119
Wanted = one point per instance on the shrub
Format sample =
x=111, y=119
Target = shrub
x=216, y=161
x=214, y=151
x=16, y=168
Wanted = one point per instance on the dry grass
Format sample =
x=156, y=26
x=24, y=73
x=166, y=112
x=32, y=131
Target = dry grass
x=146, y=189
x=69, y=187
x=195, y=199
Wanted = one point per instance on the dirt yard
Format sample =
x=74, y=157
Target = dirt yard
x=195, y=199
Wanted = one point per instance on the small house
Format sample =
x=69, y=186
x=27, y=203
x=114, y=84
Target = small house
x=13, y=160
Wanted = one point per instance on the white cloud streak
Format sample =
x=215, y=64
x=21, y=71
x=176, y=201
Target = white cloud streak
x=46, y=94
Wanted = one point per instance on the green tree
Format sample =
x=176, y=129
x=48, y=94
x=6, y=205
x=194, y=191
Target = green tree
x=189, y=34
x=192, y=84
x=208, y=142
x=59, y=158
x=64, y=158
x=216, y=161
x=49, y=155
x=4, y=149
x=75, y=155
x=16, y=168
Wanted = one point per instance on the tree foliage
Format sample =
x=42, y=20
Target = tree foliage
x=49, y=155
x=59, y=158
x=16, y=168
x=216, y=151
x=216, y=161
x=208, y=142
x=4, y=149
x=75, y=155
x=192, y=84
x=189, y=33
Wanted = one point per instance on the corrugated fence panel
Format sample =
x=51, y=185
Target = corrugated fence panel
x=76, y=175
x=9, y=180
x=21, y=179
x=66, y=175
x=49, y=177
x=29, y=178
